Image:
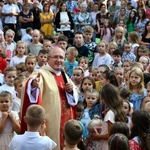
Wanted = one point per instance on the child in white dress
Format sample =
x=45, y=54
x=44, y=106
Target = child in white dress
x=102, y=58
x=20, y=54
x=9, y=120
x=10, y=74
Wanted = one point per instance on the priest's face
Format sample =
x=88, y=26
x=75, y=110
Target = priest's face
x=56, y=58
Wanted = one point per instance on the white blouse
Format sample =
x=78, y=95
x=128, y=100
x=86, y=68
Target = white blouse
x=64, y=18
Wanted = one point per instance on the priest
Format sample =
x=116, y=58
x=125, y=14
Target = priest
x=47, y=87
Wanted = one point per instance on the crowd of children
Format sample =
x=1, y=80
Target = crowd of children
x=108, y=62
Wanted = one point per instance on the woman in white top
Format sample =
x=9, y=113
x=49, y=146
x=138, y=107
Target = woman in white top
x=63, y=21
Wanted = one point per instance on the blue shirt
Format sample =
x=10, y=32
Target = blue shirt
x=85, y=121
x=71, y=5
x=128, y=56
x=69, y=67
x=136, y=99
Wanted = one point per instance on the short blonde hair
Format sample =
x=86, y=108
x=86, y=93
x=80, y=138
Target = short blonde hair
x=35, y=114
x=94, y=122
x=73, y=50
x=9, y=31
x=35, y=31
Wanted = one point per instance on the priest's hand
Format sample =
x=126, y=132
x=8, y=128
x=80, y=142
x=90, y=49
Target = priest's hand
x=69, y=87
x=36, y=82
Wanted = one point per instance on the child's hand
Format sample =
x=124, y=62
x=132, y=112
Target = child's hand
x=95, y=136
x=97, y=130
x=4, y=115
x=42, y=129
x=10, y=114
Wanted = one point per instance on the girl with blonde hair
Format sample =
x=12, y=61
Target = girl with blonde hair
x=119, y=37
x=20, y=53
x=136, y=86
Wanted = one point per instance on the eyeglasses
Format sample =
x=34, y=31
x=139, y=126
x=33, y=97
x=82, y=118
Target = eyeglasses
x=57, y=57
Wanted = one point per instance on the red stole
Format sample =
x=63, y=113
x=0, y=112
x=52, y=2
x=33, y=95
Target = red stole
x=67, y=112
x=26, y=104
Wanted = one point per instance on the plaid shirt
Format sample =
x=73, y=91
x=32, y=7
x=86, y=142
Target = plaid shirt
x=128, y=56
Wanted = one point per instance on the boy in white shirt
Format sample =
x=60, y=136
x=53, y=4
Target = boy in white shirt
x=41, y=59
x=28, y=37
x=31, y=139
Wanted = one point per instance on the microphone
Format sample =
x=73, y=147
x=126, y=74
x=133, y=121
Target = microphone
x=63, y=75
